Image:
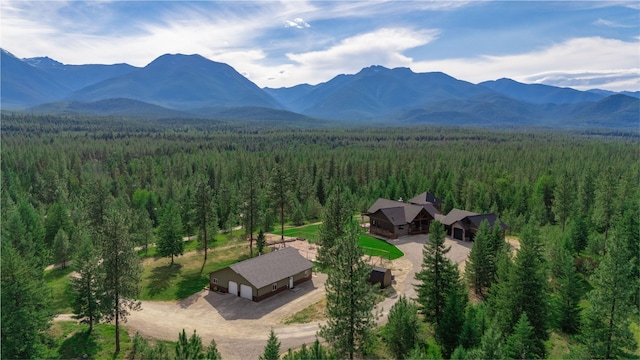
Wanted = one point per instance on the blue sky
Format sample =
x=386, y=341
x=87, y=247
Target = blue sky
x=580, y=44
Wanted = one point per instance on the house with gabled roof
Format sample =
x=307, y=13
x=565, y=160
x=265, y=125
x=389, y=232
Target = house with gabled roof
x=463, y=225
x=261, y=277
x=391, y=218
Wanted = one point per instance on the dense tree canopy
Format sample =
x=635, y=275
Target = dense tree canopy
x=64, y=173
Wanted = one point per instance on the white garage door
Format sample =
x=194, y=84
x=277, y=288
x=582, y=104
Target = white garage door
x=233, y=288
x=245, y=292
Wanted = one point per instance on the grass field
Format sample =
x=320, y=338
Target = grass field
x=71, y=341
x=371, y=246
x=61, y=291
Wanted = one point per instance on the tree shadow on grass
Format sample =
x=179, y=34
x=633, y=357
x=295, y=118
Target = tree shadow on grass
x=162, y=277
x=191, y=283
x=77, y=345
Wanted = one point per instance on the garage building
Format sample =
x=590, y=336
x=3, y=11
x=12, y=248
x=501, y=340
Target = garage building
x=263, y=276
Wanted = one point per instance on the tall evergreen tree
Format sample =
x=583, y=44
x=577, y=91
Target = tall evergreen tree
x=579, y=234
x=205, y=216
x=251, y=205
x=279, y=190
x=437, y=275
x=260, y=242
x=521, y=344
x=86, y=285
x=604, y=204
x=61, y=248
x=525, y=290
x=480, y=266
x=335, y=217
x=401, y=330
x=272, y=349
x=170, y=241
x=563, y=200
x=606, y=322
x=569, y=294
x=121, y=269
x=142, y=231
x=472, y=327
x=349, y=298
x=24, y=301
x=449, y=329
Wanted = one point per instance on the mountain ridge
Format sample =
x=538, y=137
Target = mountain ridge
x=192, y=85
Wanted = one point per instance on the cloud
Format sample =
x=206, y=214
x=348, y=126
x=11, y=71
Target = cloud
x=297, y=23
x=382, y=47
x=609, y=23
x=612, y=64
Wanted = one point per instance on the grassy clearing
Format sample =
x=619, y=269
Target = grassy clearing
x=71, y=341
x=370, y=245
x=61, y=290
x=313, y=312
x=192, y=245
x=309, y=232
x=188, y=275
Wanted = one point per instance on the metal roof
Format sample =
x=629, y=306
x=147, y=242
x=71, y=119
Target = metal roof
x=272, y=267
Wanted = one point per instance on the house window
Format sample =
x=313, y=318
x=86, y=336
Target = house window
x=306, y=273
x=274, y=287
x=215, y=280
x=401, y=227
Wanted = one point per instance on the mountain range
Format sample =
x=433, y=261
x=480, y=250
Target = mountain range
x=193, y=86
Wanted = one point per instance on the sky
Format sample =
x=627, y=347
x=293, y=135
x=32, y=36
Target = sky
x=579, y=44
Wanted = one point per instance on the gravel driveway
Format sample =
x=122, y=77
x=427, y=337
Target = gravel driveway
x=241, y=327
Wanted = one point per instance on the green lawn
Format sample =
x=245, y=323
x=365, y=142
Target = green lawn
x=377, y=247
x=371, y=246
x=191, y=245
x=71, y=341
x=61, y=290
x=309, y=232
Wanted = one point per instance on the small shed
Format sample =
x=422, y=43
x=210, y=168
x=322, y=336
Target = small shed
x=380, y=275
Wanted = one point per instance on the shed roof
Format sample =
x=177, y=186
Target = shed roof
x=272, y=267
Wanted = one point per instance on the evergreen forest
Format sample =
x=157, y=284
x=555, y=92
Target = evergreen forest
x=84, y=191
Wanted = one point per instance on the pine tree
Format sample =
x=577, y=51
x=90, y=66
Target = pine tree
x=569, y=298
x=212, y=351
x=491, y=345
x=143, y=228
x=86, y=285
x=606, y=322
x=121, y=269
x=24, y=301
x=449, y=329
x=272, y=349
x=524, y=289
x=260, y=242
x=335, y=217
x=190, y=349
x=480, y=267
x=579, y=234
x=170, y=241
x=279, y=191
x=562, y=200
x=401, y=330
x=205, y=217
x=472, y=327
x=349, y=298
x=521, y=344
x=250, y=206
x=61, y=248
x=437, y=276
x=604, y=204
